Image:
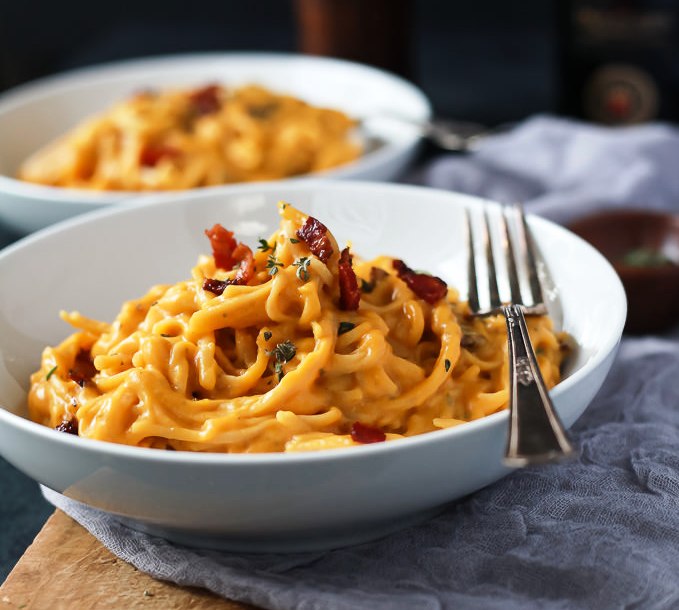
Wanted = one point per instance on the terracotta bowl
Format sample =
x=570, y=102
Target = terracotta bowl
x=643, y=247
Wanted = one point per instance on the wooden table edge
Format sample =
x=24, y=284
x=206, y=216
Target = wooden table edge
x=66, y=567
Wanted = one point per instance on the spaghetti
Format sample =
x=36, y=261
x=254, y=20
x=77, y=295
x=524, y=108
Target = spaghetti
x=184, y=139
x=293, y=347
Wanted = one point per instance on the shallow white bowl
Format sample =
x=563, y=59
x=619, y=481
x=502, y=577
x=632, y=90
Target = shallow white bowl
x=34, y=114
x=271, y=501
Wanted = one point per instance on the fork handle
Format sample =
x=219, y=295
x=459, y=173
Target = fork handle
x=535, y=430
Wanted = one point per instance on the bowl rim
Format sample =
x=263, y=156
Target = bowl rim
x=222, y=459
x=101, y=72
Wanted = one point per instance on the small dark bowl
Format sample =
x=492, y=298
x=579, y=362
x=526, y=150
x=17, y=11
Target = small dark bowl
x=652, y=290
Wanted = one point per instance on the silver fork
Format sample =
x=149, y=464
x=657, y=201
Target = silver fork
x=535, y=430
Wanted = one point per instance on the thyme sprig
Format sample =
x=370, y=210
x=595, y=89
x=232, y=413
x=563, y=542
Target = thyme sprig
x=273, y=264
x=283, y=352
x=264, y=245
x=302, y=265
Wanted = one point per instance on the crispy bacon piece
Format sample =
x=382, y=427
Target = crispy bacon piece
x=205, y=100
x=228, y=252
x=245, y=272
x=83, y=369
x=152, y=154
x=350, y=295
x=314, y=234
x=224, y=245
x=246, y=269
x=215, y=286
x=428, y=287
x=69, y=426
x=360, y=433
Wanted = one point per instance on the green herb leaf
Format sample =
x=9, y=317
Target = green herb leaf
x=264, y=245
x=645, y=257
x=51, y=372
x=345, y=327
x=267, y=335
x=302, y=265
x=447, y=364
x=283, y=352
x=272, y=264
x=294, y=241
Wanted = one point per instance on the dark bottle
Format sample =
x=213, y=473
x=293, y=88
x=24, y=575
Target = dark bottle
x=376, y=32
x=619, y=60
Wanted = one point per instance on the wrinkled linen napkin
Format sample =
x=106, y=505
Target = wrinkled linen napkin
x=600, y=531
x=563, y=169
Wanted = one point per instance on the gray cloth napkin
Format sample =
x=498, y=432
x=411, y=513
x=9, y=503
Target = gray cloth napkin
x=563, y=169
x=600, y=531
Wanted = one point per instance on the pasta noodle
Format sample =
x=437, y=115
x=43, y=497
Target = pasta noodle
x=183, y=139
x=291, y=348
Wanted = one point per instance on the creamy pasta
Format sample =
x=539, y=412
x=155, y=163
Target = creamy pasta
x=183, y=139
x=293, y=347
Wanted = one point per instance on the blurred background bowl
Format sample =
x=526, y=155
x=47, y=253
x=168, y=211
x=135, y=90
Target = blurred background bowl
x=643, y=247
x=33, y=115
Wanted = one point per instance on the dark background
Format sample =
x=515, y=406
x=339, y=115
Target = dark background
x=490, y=61
x=487, y=60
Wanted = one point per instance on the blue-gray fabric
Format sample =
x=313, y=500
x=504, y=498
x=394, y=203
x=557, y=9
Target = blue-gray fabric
x=563, y=169
x=601, y=531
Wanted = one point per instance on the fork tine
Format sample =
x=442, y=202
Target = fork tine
x=528, y=253
x=508, y=249
x=473, y=290
x=493, y=290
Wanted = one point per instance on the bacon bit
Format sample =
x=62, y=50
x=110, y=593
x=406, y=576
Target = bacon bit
x=153, y=154
x=83, y=369
x=314, y=234
x=223, y=245
x=227, y=252
x=215, y=286
x=350, y=295
x=69, y=426
x=360, y=433
x=205, y=100
x=246, y=269
x=428, y=287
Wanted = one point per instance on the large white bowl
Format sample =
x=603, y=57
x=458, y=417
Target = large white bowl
x=34, y=114
x=271, y=501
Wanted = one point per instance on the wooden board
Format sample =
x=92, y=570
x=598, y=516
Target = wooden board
x=66, y=568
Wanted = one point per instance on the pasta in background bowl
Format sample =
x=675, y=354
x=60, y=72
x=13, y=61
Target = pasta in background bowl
x=274, y=501
x=196, y=137
x=36, y=114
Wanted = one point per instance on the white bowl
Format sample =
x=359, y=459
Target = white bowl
x=34, y=114
x=277, y=502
